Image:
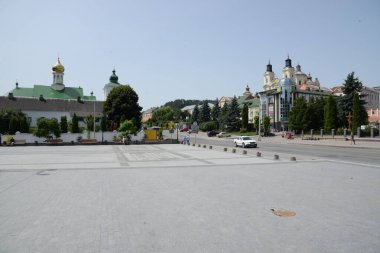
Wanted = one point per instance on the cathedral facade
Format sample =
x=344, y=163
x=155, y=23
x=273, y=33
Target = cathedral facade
x=279, y=94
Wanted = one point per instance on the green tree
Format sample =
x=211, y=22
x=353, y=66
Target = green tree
x=330, y=114
x=355, y=112
x=14, y=125
x=320, y=109
x=43, y=128
x=234, y=115
x=185, y=116
x=2, y=127
x=89, y=121
x=195, y=115
x=315, y=122
x=215, y=114
x=123, y=104
x=162, y=115
x=266, y=125
x=24, y=125
x=296, y=115
x=128, y=128
x=74, y=124
x=223, y=118
x=205, y=112
x=63, y=124
x=103, y=123
x=310, y=117
x=351, y=86
x=256, y=123
x=244, y=118
x=54, y=127
x=10, y=120
x=178, y=114
x=207, y=126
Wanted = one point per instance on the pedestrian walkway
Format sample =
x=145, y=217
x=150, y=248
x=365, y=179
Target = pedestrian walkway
x=337, y=141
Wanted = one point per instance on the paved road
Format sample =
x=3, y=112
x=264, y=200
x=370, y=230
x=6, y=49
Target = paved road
x=364, y=152
x=177, y=198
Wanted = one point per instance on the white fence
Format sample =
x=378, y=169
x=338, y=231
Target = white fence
x=69, y=137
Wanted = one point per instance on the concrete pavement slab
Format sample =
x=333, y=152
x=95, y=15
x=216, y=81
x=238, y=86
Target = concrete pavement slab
x=192, y=205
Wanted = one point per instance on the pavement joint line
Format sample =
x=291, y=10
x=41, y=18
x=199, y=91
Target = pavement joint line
x=10, y=164
x=353, y=163
x=171, y=166
x=252, y=165
x=18, y=182
x=331, y=146
x=188, y=157
x=120, y=156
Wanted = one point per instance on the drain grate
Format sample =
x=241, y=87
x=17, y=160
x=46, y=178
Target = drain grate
x=283, y=213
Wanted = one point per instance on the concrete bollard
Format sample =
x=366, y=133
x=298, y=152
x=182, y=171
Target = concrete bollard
x=276, y=157
x=204, y=146
x=258, y=154
x=244, y=152
x=199, y=145
x=233, y=150
x=193, y=144
x=293, y=158
x=210, y=147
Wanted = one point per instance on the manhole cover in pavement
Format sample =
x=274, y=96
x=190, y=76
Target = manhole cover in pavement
x=283, y=213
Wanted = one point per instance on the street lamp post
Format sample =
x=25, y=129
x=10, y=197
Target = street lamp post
x=94, y=119
x=259, y=138
x=177, y=127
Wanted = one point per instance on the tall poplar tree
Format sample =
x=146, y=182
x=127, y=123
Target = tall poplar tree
x=256, y=123
x=266, y=125
x=63, y=124
x=296, y=115
x=205, y=111
x=195, y=115
x=244, y=118
x=224, y=116
x=330, y=114
x=234, y=121
x=355, y=112
x=74, y=124
x=24, y=125
x=215, y=113
x=14, y=125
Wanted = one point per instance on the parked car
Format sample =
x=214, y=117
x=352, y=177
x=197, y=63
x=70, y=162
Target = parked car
x=212, y=133
x=245, y=142
x=185, y=129
x=287, y=135
x=223, y=134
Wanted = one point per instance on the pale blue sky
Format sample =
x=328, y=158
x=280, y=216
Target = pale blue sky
x=186, y=49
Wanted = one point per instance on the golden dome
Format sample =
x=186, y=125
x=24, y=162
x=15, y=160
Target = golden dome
x=58, y=67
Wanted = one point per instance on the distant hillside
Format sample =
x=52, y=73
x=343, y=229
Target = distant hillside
x=180, y=103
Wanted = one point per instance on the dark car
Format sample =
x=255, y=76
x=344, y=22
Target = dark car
x=212, y=133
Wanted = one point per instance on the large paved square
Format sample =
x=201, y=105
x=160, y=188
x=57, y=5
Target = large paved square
x=175, y=198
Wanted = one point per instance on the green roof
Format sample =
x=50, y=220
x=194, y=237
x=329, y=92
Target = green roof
x=250, y=100
x=48, y=92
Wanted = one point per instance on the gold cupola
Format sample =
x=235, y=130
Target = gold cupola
x=58, y=67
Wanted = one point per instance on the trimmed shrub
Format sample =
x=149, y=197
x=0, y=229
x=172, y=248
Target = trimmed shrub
x=207, y=126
